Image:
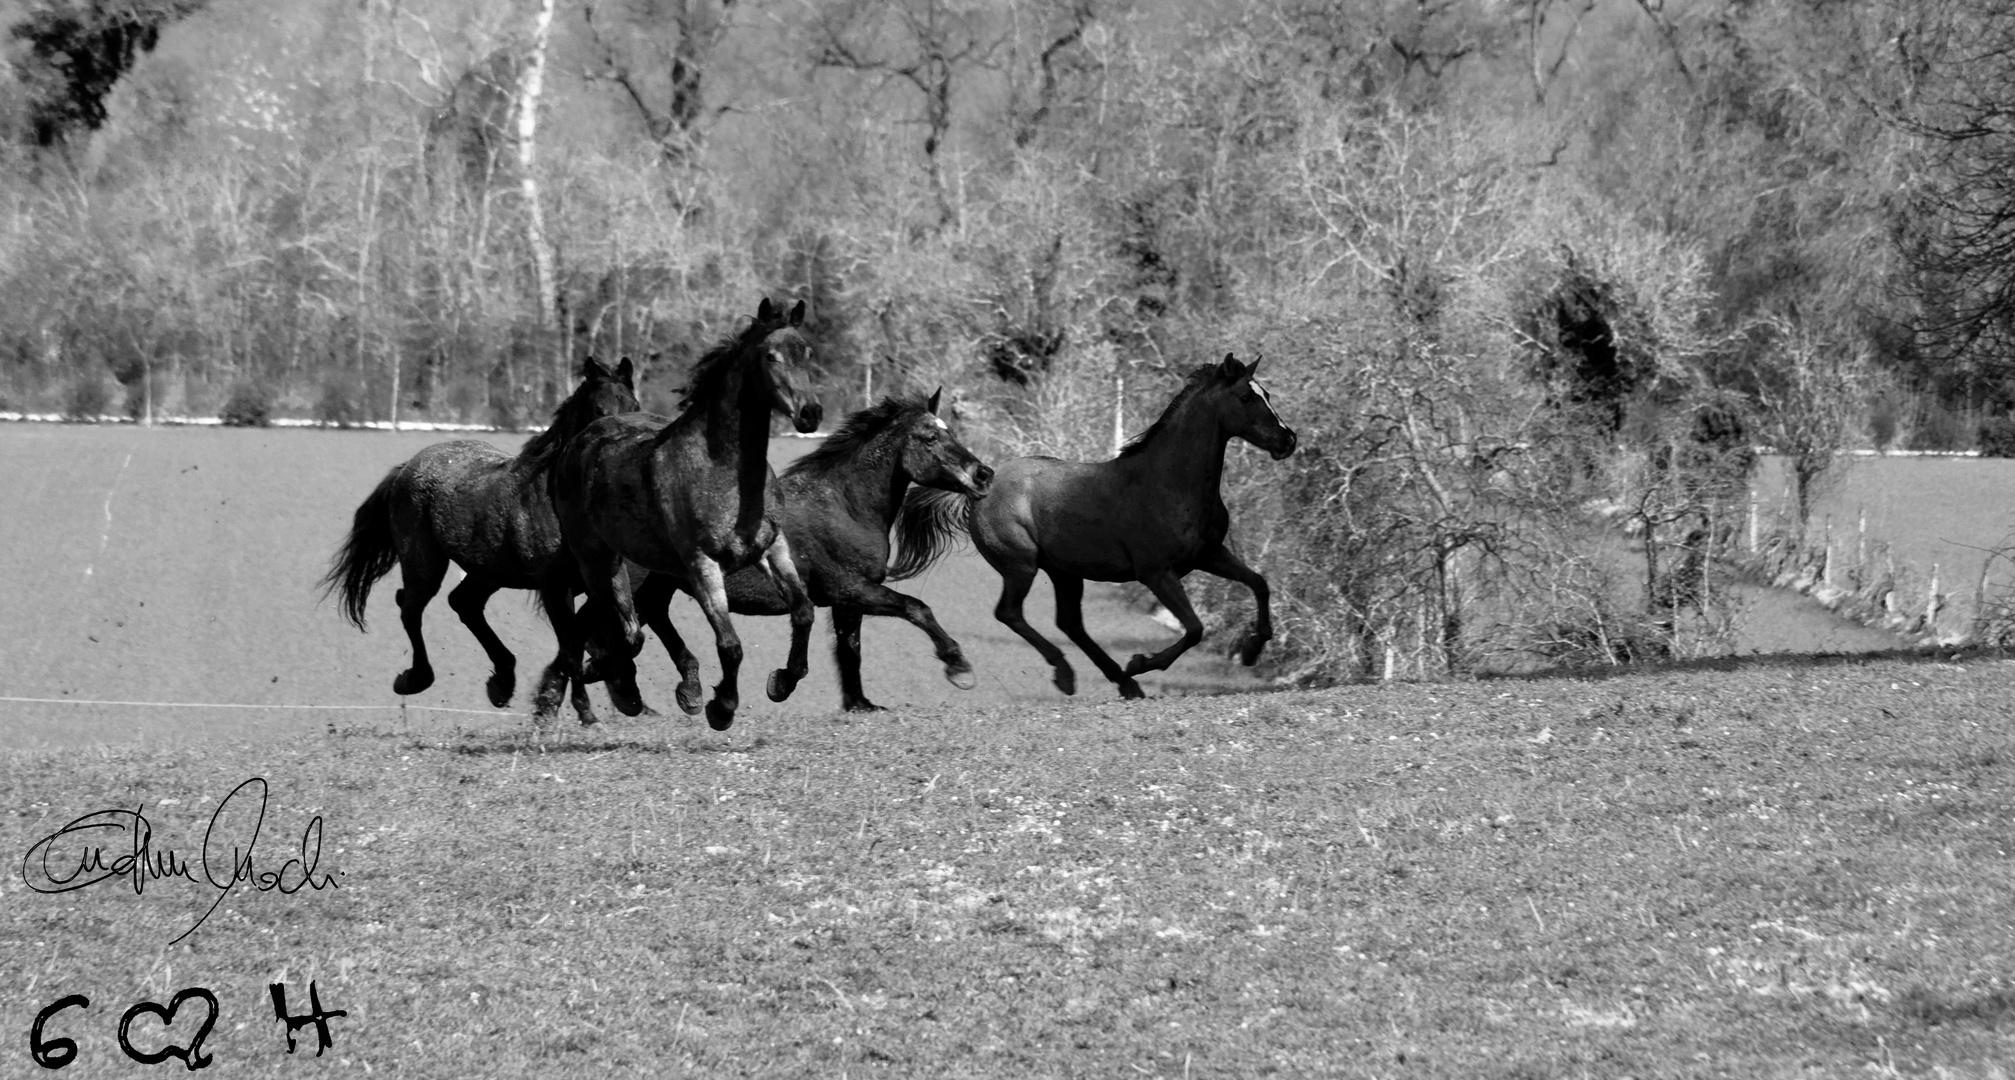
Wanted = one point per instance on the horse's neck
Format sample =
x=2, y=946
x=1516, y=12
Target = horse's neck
x=876, y=481
x=1186, y=457
x=738, y=428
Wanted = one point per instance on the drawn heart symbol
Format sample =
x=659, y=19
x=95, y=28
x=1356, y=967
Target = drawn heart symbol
x=192, y=1055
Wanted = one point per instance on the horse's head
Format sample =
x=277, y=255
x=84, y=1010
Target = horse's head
x=786, y=356
x=604, y=391
x=1248, y=410
x=934, y=457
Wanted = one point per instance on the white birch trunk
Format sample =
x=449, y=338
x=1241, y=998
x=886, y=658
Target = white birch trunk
x=530, y=84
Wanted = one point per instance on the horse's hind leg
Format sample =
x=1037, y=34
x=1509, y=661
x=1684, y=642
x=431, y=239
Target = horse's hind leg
x=420, y=572
x=872, y=599
x=1224, y=564
x=1014, y=591
x=1167, y=588
x=556, y=596
x=847, y=657
x=1070, y=620
x=468, y=599
x=653, y=598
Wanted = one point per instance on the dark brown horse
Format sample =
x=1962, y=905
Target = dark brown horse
x=835, y=505
x=471, y=503
x=686, y=497
x=1151, y=515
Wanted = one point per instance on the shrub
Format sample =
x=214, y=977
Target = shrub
x=1997, y=437
x=88, y=399
x=337, y=404
x=250, y=405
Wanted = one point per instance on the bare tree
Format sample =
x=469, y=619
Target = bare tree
x=928, y=44
x=658, y=53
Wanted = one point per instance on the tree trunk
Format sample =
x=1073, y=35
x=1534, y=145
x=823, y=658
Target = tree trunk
x=530, y=83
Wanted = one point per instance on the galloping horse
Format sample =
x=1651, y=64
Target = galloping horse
x=472, y=503
x=835, y=505
x=687, y=497
x=1151, y=515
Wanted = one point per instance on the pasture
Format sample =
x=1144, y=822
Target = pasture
x=1756, y=868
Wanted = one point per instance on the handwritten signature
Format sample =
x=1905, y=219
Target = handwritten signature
x=89, y=850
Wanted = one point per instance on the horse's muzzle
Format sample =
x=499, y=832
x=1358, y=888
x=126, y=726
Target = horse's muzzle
x=982, y=480
x=1288, y=447
x=808, y=417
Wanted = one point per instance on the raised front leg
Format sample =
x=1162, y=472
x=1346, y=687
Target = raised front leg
x=1167, y=588
x=1224, y=564
x=711, y=590
x=1070, y=620
x=654, y=605
x=1015, y=585
x=468, y=599
x=785, y=679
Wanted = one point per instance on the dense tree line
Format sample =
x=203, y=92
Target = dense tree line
x=1505, y=261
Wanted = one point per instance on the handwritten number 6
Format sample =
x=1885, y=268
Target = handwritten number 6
x=192, y=1055
x=57, y=1052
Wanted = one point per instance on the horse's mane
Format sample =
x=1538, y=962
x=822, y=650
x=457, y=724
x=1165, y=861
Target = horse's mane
x=1192, y=385
x=856, y=432
x=710, y=371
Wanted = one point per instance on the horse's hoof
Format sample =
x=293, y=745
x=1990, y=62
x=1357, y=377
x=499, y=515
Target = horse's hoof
x=1130, y=690
x=412, y=681
x=689, y=698
x=861, y=705
x=651, y=714
x=624, y=696
x=1134, y=666
x=1248, y=648
x=501, y=686
x=961, y=675
x=781, y=684
x=720, y=717
x=588, y=718
x=1066, y=680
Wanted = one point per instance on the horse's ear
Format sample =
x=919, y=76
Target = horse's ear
x=1253, y=368
x=798, y=314
x=593, y=368
x=626, y=373
x=932, y=405
x=765, y=311
x=1231, y=368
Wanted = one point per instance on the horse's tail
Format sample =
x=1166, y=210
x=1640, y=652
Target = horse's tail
x=367, y=554
x=930, y=522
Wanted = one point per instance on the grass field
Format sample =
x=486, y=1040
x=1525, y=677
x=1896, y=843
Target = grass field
x=1759, y=871
x=1767, y=867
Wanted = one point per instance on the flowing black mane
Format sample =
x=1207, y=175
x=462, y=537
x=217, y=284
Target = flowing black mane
x=856, y=432
x=710, y=371
x=1192, y=384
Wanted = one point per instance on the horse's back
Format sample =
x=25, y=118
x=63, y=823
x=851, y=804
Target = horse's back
x=490, y=517
x=1097, y=520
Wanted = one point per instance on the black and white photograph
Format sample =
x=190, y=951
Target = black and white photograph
x=1374, y=539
